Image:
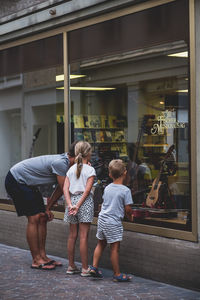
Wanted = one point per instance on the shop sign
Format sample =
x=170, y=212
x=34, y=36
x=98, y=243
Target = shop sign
x=166, y=120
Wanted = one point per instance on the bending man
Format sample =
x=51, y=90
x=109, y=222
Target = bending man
x=22, y=183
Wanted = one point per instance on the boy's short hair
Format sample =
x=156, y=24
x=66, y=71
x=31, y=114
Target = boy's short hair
x=116, y=168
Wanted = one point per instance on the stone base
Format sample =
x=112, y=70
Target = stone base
x=167, y=260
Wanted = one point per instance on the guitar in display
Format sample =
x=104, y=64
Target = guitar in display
x=153, y=195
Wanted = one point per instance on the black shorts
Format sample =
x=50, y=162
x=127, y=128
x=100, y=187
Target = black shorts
x=28, y=200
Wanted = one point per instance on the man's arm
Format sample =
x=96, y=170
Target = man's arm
x=57, y=193
x=66, y=192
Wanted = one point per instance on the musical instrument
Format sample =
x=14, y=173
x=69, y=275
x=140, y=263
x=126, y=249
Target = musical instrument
x=153, y=195
x=133, y=165
x=35, y=137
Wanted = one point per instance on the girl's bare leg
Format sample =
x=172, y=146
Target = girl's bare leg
x=73, y=233
x=84, y=231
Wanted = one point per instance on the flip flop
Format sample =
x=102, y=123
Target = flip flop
x=54, y=263
x=42, y=267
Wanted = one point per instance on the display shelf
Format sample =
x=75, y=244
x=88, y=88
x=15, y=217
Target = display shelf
x=155, y=145
x=100, y=128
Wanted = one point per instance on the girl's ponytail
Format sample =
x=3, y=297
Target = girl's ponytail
x=79, y=161
x=82, y=149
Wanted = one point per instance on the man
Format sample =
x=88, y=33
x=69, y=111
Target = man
x=21, y=184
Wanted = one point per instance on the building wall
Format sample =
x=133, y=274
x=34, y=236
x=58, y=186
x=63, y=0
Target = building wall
x=169, y=260
x=9, y=7
x=162, y=259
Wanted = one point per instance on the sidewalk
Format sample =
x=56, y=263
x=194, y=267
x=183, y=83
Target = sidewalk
x=18, y=281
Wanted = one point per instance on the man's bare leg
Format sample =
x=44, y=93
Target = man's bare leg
x=32, y=235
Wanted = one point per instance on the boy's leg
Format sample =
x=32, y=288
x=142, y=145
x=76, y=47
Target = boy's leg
x=98, y=252
x=73, y=233
x=84, y=231
x=114, y=257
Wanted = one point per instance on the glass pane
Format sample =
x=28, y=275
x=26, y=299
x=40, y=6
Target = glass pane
x=135, y=106
x=31, y=107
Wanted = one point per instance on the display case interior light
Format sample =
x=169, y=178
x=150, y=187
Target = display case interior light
x=179, y=54
x=182, y=91
x=72, y=76
x=87, y=88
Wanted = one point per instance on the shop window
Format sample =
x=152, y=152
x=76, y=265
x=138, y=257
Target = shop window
x=31, y=107
x=131, y=101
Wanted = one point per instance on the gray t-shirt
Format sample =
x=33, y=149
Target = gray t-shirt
x=115, y=197
x=41, y=170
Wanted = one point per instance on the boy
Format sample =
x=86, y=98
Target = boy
x=117, y=200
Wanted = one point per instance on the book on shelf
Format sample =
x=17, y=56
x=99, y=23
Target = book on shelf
x=112, y=121
x=87, y=136
x=94, y=121
x=107, y=136
x=85, y=120
x=104, y=121
x=119, y=136
x=100, y=136
x=78, y=121
x=78, y=136
x=121, y=122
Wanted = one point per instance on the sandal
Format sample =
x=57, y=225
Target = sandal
x=85, y=272
x=122, y=278
x=44, y=266
x=72, y=271
x=55, y=263
x=95, y=272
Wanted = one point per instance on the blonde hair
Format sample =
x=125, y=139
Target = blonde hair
x=82, y=149
x=116, y=168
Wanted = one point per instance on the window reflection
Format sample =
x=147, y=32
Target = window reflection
x=31, y=109
x=138, y=111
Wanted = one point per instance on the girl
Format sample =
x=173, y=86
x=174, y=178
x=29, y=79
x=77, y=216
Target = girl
x=80, y=207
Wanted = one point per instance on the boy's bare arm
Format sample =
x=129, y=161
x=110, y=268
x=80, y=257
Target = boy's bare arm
x=128, y=212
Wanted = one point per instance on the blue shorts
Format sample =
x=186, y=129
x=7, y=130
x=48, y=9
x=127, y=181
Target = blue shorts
x=110, y=232
x=28, y=200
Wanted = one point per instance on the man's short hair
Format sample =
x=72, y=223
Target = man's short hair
x=116, y=168
x=71, y=151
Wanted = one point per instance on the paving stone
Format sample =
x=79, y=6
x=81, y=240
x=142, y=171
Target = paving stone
x=18, y=281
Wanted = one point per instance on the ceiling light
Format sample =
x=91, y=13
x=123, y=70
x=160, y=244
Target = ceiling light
x=87, y=88
x=162, y=102
x=72, y=76
x=179, y=54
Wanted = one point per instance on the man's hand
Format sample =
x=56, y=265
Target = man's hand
x=49, y=215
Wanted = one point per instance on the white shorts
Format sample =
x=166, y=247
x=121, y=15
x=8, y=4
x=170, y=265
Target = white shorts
x=85, y=213
x=110, y=232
